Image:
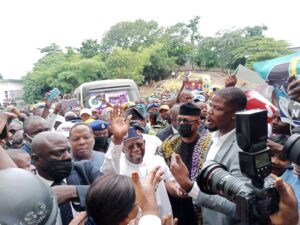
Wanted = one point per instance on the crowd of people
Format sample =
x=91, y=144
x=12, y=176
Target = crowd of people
x=135, y=163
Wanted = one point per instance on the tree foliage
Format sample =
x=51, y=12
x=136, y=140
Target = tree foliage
x=130, y=35
x=257, y=48
x=89, y=48
x=124, y=63
x=143, y=51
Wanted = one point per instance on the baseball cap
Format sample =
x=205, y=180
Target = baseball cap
x=86, y=111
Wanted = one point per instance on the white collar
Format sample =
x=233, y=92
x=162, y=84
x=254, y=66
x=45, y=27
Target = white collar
x=48, y=182
x=175, y=131
x=216, y=136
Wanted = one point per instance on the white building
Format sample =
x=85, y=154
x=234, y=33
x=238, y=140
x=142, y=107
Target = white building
x=11, y=89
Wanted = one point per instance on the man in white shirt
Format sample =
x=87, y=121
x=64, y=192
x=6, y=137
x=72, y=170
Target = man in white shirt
x=131, y=142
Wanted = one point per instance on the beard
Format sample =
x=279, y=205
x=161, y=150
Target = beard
x=212, y=129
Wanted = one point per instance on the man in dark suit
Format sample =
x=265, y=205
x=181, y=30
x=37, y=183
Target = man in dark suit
x=171, y=128
x=51, y=153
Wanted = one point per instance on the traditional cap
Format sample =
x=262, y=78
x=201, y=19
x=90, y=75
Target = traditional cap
x=164, y=107
x=64, y=128
x=151, y=106
x=98, y=125
x=136, y=115
x=132, y=134
x=189, y=109
x=86, y=111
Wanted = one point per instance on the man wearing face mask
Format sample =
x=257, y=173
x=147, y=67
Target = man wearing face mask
x=221, y=120
x=192, y=147
x=100, y=130
x=32, y=126
x=70, y=182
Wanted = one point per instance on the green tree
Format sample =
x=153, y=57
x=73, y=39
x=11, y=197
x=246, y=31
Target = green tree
x=206, y=55
x=254, y=31
x=175, y=38
x=89, y=48
x=64, y=71
x=193, y=26
x=51, y=49
x=33, y=90
x=254, y=49
x=124, y=63
x=158, y=64
x=131, y=35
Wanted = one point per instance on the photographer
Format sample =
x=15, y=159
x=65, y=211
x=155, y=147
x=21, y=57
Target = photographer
x=287, y=214
x=223, y=149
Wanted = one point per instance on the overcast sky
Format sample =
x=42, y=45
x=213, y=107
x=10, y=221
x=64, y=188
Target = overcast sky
x=26, y=25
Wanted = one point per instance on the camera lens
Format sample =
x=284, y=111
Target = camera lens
x=292, y=148
x=215, y=179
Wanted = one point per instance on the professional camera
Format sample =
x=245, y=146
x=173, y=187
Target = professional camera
x=255, y=200
x=291, y=149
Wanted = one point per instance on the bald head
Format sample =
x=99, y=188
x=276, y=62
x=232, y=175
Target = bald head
x=16, y=154
x=50, y=150
x=34, y=125
x=21, y=159
x=42, y=141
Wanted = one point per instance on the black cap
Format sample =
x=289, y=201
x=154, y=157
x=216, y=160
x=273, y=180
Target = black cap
x=136, y=115
x=189, y=109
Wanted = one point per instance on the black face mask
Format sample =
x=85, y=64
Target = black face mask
x=101, y=142
x=59, y=169
x=185, y=130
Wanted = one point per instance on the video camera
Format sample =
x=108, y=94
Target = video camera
x=255, y=200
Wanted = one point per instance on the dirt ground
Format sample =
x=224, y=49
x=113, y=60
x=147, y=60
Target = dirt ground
x=216, y=77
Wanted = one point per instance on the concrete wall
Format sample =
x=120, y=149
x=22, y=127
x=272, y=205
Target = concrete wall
x=13, y=87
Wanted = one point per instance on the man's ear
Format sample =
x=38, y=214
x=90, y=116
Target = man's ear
x=35, y=158
x=233, y=116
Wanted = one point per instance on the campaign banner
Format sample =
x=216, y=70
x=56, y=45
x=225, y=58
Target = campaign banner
x=276, y=72
x=69, y=103
x=100, y=100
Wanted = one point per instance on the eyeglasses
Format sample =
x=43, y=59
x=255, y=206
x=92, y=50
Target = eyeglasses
x=185, y=121
x=137, y=144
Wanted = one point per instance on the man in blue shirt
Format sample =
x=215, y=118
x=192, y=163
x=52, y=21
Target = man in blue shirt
x=82, y=142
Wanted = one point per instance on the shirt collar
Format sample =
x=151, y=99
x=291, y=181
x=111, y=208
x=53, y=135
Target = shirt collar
x=216, y=136
x=48, y=182
x=175, y=131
